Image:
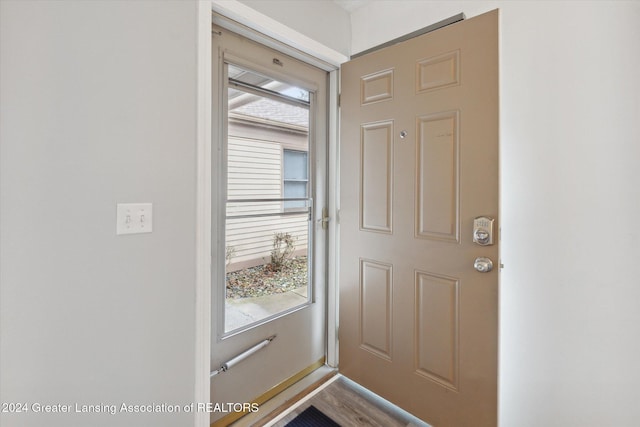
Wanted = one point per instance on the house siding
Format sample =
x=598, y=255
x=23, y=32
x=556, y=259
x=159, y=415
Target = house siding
x=255, y=161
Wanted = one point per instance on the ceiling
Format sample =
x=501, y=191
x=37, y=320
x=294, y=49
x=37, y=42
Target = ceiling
x=351, y=5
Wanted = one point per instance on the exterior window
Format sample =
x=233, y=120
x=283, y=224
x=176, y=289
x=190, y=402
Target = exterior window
x=295, y=178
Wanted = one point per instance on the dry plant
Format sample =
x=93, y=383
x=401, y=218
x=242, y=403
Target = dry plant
x=283, y=247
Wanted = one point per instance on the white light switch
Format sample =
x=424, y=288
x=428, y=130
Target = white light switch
x=133, y=218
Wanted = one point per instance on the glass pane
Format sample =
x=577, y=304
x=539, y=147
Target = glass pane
x=295, y=190
x=295, y=177
x=266, y=243
x=295, y=165
x=255, y=79
x=267, y=267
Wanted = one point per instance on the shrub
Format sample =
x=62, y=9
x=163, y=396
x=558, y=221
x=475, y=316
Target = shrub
x=283, y=247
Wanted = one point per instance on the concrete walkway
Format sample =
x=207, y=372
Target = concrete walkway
x=243, y=311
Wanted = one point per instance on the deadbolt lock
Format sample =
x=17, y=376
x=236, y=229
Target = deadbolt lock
x=483, y=231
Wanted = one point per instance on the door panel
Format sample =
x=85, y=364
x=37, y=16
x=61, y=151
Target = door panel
x=375, y=307
x=419, y=161
x=437, y=177
x=376, y=178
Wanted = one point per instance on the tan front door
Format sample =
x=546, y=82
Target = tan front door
x=419, y=162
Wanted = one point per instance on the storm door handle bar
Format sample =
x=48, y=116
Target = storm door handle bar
x=287, y=213
x=290, y=199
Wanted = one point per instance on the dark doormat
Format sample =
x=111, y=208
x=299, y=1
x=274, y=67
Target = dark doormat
x=312, y=417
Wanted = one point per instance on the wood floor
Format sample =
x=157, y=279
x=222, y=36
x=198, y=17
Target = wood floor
x=349, y=405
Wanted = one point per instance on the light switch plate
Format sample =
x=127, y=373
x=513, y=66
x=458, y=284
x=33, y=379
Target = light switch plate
x=134, y=218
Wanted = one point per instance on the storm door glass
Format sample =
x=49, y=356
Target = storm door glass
x=268, y=207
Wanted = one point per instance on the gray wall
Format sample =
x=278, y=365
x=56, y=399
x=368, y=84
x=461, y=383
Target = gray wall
x=98, y=106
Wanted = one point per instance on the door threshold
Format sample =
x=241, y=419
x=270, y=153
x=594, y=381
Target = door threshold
x=288, y=398
x=300, y=399
x=348, y=404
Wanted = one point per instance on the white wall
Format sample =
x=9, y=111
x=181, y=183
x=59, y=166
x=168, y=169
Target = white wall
x=570, y=147
x=98, y=106
x=321, y=20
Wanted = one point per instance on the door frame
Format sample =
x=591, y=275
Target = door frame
x=204, y=123
x=245, y=21
x=256, y=26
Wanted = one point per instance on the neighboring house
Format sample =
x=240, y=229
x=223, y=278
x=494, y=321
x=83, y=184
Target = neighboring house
x=267, y=159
